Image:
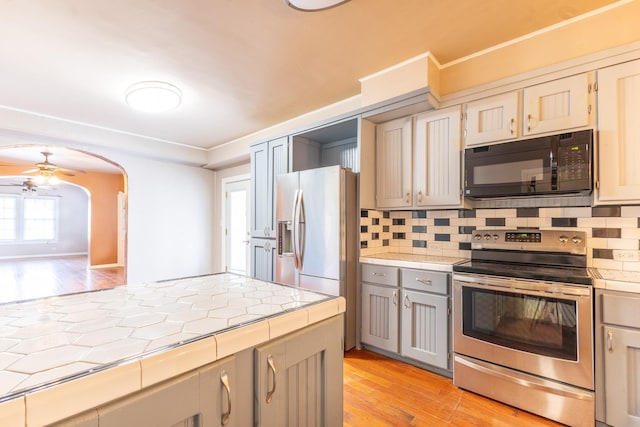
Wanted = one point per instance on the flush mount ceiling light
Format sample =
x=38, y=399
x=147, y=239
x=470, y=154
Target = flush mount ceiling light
x=313, y=5
x=153, y=96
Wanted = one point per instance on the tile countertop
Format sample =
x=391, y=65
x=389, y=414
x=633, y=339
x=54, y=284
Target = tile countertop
x=422, y=262
x=61, y=355
x=618, y=280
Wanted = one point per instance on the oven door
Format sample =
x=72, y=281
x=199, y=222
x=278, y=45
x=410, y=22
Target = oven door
x=543, y=328
x=510, y=169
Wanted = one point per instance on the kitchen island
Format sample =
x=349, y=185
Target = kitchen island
x=93, y=358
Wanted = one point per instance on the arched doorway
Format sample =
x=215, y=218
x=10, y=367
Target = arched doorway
x=105, y=185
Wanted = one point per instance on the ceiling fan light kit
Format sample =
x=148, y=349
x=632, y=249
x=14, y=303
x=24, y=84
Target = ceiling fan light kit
x=313, y=5
x=153, y=96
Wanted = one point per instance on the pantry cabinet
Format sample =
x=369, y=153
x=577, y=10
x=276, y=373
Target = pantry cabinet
x=298, y=378
x=436, y=158
x=619, y=135
x=558, y=105
x=493, y=119
x=268, y=160
x=619, y=346
x=263, y=258
x=393, y=163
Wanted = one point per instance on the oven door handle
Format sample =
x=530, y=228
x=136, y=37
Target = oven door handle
x=531, y=287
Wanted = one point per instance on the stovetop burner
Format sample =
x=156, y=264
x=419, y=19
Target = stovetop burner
x=549, y=255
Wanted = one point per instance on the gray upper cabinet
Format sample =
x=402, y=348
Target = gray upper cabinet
x=393, y=163
x=263, y=258
x=268, y=160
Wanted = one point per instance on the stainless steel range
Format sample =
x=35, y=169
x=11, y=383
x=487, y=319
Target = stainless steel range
x=523, y=322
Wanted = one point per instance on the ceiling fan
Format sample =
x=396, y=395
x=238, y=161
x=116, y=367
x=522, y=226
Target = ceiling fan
x=46, y=169
x=29, y=186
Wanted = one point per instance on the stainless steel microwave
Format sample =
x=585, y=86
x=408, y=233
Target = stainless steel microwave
x=549, y=165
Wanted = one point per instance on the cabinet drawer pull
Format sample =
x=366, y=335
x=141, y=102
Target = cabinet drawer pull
x=378, y=274
x=424, y=281
x=272, y=369
x=407, y=301
x=395, y=298
x=610, y=341
x=224, y=379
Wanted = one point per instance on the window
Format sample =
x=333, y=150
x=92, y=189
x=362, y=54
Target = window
x=39, y=216
x=7, y=218
x=28, y=219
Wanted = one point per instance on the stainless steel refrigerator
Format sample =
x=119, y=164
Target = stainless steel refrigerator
x=317, y=236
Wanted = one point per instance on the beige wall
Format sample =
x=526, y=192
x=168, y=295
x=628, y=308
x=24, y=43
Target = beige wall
x=614, y=27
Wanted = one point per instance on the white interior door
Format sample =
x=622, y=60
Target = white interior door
x=236, y=226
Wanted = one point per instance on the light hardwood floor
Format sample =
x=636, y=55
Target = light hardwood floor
x=24, y=279
x=384, y=392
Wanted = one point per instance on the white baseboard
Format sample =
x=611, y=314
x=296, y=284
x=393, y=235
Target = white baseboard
x=99, y=266
x=43, y=256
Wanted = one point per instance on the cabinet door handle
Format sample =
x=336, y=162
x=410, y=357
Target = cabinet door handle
x=408, y=198
x=395, y=298
x=424, y=281
x=511, y=126
x=419, y=196
x=272, y=368
x=224, y=379
x=407, y=301
x=529, y=122
x=610, y=341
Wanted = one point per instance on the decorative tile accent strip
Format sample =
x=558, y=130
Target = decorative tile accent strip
x=364, y=213
x=466, y=213
x=495, y=222
x=607, y=211
x=603, y=253
x=610, y=233
x=400, y=236
x=466, y=230
x=528, y=212
x=564, y=222
x=398, y=221
x=419, y=244
x=419, y=229
x=419, y=214
x=443, y=237
x=441, y=222
x=464, y=246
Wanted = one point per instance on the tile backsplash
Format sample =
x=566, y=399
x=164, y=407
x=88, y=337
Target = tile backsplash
x=613, y=232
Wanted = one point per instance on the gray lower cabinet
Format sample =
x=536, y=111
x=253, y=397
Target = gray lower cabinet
x=263, y=259
x=298, y=381
x=173, y=403
x=619, y=347
x=407, y=311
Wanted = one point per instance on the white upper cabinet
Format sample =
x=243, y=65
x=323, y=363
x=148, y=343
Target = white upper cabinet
x=436, y=159
x=558, y=105
x=493, y=119
x=393, y=163
x=619, y=134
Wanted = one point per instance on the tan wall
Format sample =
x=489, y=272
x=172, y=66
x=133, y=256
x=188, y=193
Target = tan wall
x=615, y=27
x=103, y=188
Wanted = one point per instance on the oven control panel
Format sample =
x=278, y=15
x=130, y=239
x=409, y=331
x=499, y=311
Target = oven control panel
x=531, y=240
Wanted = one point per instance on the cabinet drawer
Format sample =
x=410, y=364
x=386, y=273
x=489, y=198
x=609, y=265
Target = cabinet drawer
x=424, y=280
x=621, y=310
x=381, y=274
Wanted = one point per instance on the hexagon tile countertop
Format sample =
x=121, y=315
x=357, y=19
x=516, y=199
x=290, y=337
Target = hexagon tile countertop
x=47, y=340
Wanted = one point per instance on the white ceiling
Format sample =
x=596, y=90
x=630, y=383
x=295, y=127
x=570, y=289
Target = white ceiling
x=242, y=65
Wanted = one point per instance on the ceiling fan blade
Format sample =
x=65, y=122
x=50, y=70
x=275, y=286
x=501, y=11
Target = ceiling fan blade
x=70, y=170
x=31, y=170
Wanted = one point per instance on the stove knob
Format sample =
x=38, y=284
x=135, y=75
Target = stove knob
x=487, y=237
x=563, y=238
x=576, y=239
x=496, y=237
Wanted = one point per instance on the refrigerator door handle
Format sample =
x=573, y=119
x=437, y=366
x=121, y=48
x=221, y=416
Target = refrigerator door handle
x=295, y=230
x=301, y=231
